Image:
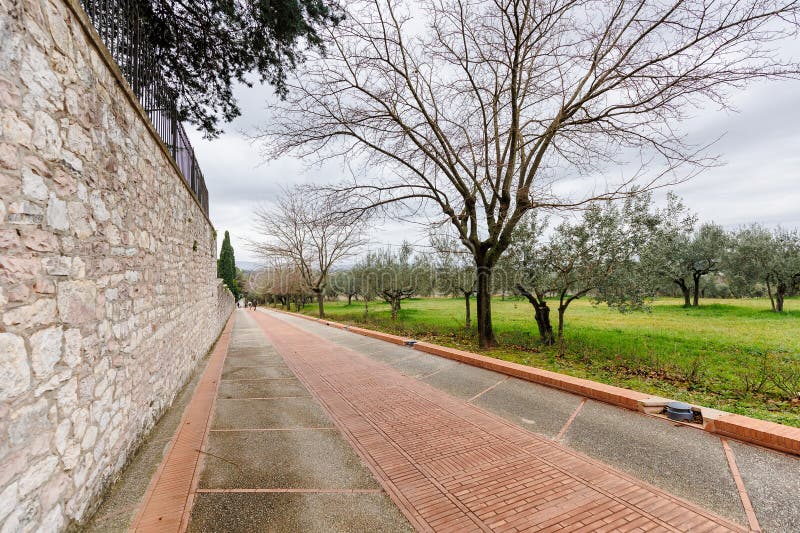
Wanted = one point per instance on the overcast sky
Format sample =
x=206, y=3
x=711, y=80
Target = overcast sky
x=759, y=182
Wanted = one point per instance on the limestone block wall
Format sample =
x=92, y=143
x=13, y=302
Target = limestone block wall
x=108, y=288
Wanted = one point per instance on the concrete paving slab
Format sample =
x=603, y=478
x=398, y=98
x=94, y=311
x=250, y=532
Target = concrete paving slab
x=682, y=460
x=251, y=346
x=270, y=414
x=260, y=350
x=537, y=408
x=249, y=361
x=297, y=459
x=463, y=381
x=261, y=388
x=247, y=343
x=388, y=353
x=309, y=513
x=772, y=481
x=421, y=364
x=264, y=372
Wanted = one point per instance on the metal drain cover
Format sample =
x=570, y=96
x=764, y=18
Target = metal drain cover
x=679, y=411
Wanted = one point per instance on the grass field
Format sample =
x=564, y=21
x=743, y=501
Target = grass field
x=710, y=355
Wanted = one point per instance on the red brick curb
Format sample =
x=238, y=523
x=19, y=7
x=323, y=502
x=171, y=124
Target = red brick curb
x=394, y=339
x=761, y=432
x=168, y=499
x=584, y=387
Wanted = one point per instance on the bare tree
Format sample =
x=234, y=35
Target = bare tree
x=305, y=230
x=277, y=282
x=486, y=109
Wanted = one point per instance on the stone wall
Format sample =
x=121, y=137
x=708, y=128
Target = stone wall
x=108, y=289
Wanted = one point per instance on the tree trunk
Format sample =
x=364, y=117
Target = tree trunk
x=769, y=291
x=561, y=310
x=542, y=316
x=366, y=307
x=486, y=337
x=349, y=299
x=696, y=300
x=780, y=293
x=320, y=303
x=468, y=321
x=687, y=302
x=543, y=323
x=395, y=308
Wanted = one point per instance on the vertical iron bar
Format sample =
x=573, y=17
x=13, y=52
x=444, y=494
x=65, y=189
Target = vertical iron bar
x=120, y=26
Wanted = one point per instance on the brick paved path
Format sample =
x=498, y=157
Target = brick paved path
x=452, y=467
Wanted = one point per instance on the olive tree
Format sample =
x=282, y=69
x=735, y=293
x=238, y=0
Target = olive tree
x=759, y=255
x=344, y=282
x=595, y=255
x=665, y=255
x=455, y=274
x=479, y=112
x=682, y=252
x=705, y=255
x=365, y=279
x=396, y=275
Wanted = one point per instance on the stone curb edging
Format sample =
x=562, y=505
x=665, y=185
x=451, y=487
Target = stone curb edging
x=761, y=432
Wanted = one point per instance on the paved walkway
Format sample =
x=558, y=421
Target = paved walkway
x=273, y=459
x=319, y=429
x=746, y=484
x=450, y=466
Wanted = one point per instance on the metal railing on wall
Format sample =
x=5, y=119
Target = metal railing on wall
x=123, y=31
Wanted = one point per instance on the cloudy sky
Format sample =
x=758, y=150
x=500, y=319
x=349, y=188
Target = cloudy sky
x=759, y=181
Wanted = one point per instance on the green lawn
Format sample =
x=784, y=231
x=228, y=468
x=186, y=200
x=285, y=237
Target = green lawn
x=702, y=355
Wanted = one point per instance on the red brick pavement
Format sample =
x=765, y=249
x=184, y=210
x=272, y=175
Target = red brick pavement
x=451, y=466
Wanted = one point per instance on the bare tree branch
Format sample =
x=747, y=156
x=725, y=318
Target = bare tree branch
x=487, y=109
x=304, y=230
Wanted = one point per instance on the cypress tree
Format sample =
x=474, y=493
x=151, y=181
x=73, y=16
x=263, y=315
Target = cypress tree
x=226, y=265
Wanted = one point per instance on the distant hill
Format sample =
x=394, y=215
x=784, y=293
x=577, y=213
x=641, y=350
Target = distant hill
x=248, y=266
